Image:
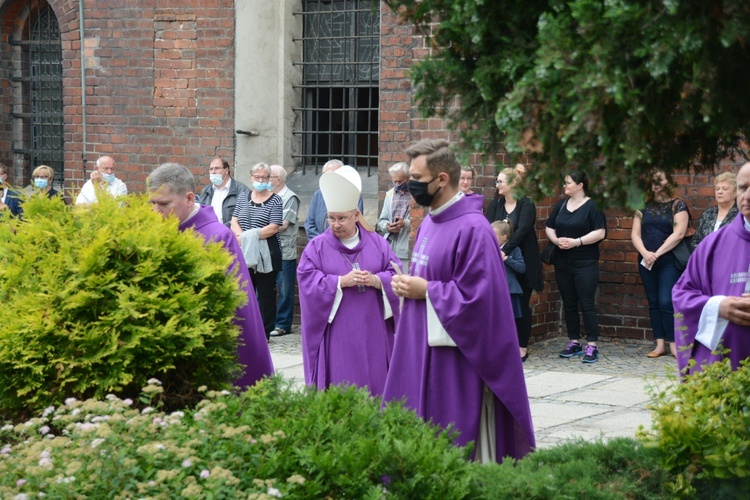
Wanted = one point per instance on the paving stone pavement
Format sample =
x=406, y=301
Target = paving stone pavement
x=569, y=399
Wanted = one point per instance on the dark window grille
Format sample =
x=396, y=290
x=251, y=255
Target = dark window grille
x=340, y=78
x=42, y=103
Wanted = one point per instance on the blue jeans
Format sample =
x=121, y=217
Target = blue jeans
x=577, y=281
x=285, y=282
x=658, y=283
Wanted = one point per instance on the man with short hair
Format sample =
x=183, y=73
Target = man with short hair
x=395, y=220
x=172, y=189
x=316, y=223
x=102, y=178
x=286, y=279
x=9, y=198
x=712, y=297
x=455, y=360
x=222, y=193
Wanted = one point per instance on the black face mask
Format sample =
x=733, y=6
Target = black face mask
x=419, y=192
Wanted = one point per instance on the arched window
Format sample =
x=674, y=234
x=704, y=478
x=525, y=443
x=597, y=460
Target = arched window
x=39, y=107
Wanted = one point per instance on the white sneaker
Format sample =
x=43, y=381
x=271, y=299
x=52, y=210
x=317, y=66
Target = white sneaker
x=278, y=332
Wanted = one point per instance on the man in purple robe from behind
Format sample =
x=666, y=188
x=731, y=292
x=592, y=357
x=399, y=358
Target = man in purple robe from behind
x=349, y=310
x=712, y=297
x=455, y=359
x=173, y=193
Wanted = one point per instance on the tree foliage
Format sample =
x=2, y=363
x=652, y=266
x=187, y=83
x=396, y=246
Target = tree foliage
x=612, y=87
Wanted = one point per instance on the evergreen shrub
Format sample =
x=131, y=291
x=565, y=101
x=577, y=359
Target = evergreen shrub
x=97, y=300
x=270, y=441
x=702, y=428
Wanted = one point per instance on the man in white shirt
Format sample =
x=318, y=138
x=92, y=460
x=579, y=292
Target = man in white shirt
x=103, y=178
x=222, y=192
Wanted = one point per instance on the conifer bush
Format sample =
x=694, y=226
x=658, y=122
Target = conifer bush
x=97, y=300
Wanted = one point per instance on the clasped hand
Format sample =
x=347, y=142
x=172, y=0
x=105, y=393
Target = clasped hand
x=411, y=287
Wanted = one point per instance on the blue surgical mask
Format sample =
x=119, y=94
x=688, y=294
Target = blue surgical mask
x=41, y=183
x=262, y=186
x=216, y=179
x=108, y=178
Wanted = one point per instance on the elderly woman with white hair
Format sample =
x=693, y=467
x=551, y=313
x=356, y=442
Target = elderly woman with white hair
x=259, y=215
x=394, y=222
x=725, y=192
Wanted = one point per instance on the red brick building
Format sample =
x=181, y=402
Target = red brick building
x=168, y=80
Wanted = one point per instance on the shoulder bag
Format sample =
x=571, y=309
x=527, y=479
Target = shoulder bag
x=682, y=251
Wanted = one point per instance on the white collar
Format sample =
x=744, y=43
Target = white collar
x=452, y=201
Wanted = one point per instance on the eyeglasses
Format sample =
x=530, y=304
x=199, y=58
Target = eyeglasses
x=260, y=178
x=41, y=177
x=340, y=220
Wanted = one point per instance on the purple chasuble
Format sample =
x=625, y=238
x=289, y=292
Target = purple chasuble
x=720, y=265
x=477, y=201
x=457, y=253
x=253, y=351
x=355, y=348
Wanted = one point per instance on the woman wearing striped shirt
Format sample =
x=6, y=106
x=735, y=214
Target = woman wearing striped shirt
x=262, y=209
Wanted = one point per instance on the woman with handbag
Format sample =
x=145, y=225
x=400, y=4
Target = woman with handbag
x=575, y=227
x=521, y=212
x=657, y=230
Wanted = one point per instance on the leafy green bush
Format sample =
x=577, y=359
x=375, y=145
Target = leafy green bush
x=702, y=428
x=271, y=440
x=96, y=300
x=619, y=468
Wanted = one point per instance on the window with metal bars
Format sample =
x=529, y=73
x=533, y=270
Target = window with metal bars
x=41, y=105
x=340, y=77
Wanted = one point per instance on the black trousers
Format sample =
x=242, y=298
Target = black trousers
x=265, y=289
x=577, y=281
x=523, y=324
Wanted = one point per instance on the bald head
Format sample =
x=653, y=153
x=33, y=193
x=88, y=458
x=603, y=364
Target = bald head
x=332, y=165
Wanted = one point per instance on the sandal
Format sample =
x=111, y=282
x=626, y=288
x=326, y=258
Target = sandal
x=654, y=354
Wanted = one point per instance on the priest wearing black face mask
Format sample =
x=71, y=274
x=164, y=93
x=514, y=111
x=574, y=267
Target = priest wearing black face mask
x=455, y=359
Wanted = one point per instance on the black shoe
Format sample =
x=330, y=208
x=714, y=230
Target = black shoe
x=573, y=349
x=592, y=354
x=524, y=357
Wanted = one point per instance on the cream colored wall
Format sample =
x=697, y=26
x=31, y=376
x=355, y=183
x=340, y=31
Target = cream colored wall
x=264, y=82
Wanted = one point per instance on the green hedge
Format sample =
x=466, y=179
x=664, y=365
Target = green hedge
x=702, y=428
x=97, y=300
x=276, y=441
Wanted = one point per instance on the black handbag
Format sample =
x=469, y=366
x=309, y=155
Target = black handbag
x=548, y=253
x=682, y=251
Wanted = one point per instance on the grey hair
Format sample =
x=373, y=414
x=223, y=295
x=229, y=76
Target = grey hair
x=332, y=165
x=178, y=178
x=280, y=171
x=400, y=167
x=260, y=166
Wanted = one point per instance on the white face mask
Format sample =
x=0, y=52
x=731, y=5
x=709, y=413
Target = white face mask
x=216, y=179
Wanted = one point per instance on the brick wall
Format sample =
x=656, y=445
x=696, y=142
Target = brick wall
x=159, y=84
x=622, y=307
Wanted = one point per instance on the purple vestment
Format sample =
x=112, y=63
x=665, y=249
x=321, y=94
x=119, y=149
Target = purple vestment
x=720, y=265
x=456, y=251
x=254, y=354
x=477, y=200
x=355, y=348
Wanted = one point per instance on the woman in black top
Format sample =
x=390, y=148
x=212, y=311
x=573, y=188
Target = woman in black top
x=521, y=213
x=576, y=227
x=262, y=209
